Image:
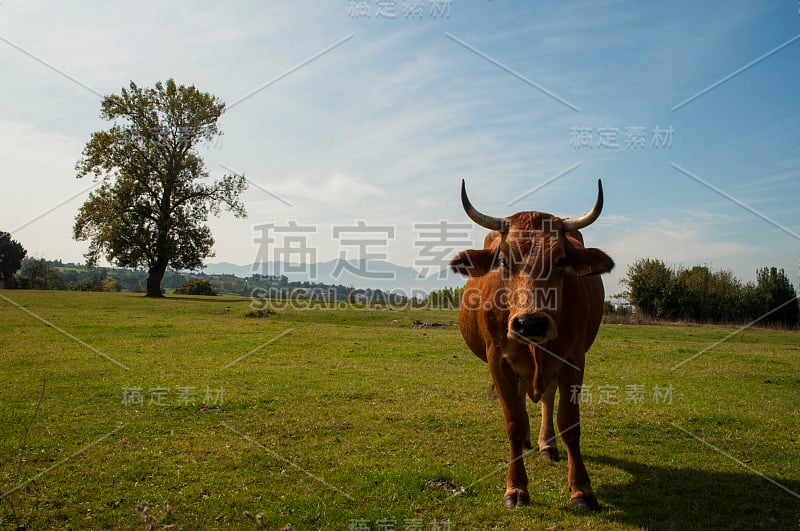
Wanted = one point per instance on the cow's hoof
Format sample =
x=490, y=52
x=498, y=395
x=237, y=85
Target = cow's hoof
x=517, y=498
x=549, y=453
x=585, y=504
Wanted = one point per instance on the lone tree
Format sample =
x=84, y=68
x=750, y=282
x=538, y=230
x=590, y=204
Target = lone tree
x=11, y=254
x=151, y=207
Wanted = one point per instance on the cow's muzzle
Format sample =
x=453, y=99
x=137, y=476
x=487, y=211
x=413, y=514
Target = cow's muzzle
x=536, y=327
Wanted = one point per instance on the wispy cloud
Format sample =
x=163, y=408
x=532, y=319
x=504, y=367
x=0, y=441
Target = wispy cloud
x=337, y=190
x=680, y=242
x=384, y=126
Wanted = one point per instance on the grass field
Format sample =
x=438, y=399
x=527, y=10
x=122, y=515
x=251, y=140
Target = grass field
x=339, y=418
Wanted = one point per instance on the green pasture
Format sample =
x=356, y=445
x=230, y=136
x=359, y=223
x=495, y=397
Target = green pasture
x=337, y=418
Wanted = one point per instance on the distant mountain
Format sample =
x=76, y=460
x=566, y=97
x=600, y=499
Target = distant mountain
x=374, y=274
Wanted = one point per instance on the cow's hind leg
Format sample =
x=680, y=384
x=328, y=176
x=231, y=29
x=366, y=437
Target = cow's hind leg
x=582, y=497
x=517, y=429
x=547, y=434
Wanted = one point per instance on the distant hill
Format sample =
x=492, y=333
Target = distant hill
x=372, y=274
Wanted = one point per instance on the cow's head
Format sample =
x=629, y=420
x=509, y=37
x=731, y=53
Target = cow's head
x=532, y=254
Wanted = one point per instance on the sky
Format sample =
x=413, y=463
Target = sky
x=357, y=120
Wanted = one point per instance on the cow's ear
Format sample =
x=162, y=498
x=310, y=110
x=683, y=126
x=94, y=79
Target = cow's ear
x=473, y=262
x=590, y=261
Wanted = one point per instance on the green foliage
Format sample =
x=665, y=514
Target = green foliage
x=446, y=298
x=155, y=195
x=37, y=273
x=196, y=286
x=699, y=294
x=109, y=284
x=651, y=287
x=80, y=278
x=11, y=255
x=773, y=292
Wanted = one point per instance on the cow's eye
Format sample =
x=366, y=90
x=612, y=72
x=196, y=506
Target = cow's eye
x=561, y=263
x=502, y=262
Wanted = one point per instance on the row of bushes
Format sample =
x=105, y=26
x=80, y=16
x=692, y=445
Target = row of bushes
x=699, y=294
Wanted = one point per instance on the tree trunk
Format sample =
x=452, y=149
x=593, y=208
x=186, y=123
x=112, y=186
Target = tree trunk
x=154, y=277
x=162, y=254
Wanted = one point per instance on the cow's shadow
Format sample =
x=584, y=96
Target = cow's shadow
x=688, y=498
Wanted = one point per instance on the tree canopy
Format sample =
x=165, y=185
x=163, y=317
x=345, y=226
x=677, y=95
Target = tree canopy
x=38, y=273
x=11, y=254
x=155, y=195
x=699, y=294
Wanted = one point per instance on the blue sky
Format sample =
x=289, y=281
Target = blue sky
x=386, y=116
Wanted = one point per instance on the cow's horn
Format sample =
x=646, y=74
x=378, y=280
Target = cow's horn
x=483, y=220
x=587, y=219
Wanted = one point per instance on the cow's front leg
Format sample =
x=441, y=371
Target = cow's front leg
x=517, y=429
x=569, y=425
x=547, y=434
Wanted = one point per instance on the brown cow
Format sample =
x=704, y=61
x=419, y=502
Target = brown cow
x=531, y=309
